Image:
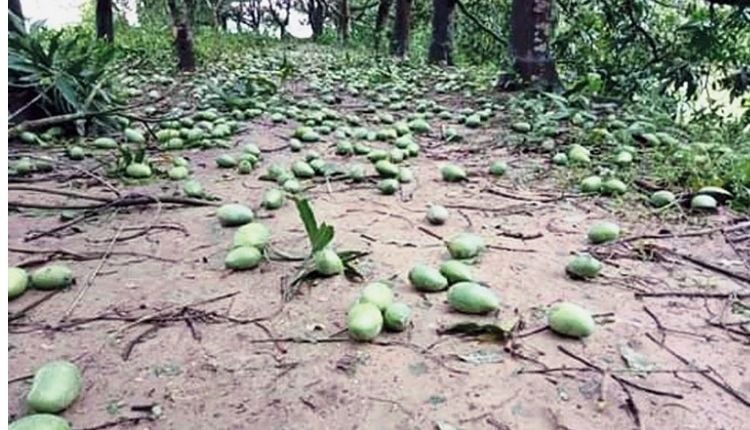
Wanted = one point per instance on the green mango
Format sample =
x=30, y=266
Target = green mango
x=56, y=385
x=178, y=173
x=273, y=198
x=234, y=214
x=569, y=319
x=76, y=153
x=471, y=298
x=437, y=215
x=252, y=234
x=302, y=170
x=456, y=271
x=453, y=173
x=603, y=232
x=245, y=167
x=613, y=187
x=356, y=172
x=135, y=136
x=388, y=186
x=521, y=126
x=40, y=422
x=364, y=322
x=377, y=293
x=193, y=189
x=328, y=263
x=397, y=317
x=592, y=184
x=226, y=161
x=138, y=171
x=426, y=278
x=386, y=169
x=405, y=175
x=703, y=202
x=243, y=258
x=52, y=277
x=18, y=281
x=498, y=168
x=465, y=245
x=583, y=267
x=662, y=198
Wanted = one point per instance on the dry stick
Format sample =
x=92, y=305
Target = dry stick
x=99, y=179
x=57, y=192
x=168, y=308
x=591, y=369
x=527, y=199
x=63, y=226
x=20, y=378
x=664, y=329
x=729, y=390
x=704, y=264
x=617, y=378
x=138, y=339
x=691, y=295
x=723, y=229
x=32, y=305
x=91, y=277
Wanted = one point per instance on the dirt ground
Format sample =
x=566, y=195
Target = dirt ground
x=251, y=360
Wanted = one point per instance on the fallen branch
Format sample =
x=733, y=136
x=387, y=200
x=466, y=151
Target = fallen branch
x=130, y=200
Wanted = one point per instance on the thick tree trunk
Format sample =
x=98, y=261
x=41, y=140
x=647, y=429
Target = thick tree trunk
x=104, y=24
x=442, y=16
x=401, y=28
x=383, y=7
x=344, y=20
x=183, y=40
x=531, y=28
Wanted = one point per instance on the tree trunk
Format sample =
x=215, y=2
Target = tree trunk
x=344, y=20
x=316, y=14
x=401, y=28
x=530, y=28
x=440, y=48
x=14, y=6
x=383, y=7
x=183, y=40
x=104, y=26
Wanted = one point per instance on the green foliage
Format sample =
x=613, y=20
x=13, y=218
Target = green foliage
x=67, y=70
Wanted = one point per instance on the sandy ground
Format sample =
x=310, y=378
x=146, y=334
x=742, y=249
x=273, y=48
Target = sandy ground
x=251, y=360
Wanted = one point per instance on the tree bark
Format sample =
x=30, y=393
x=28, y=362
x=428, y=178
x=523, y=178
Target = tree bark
x=531, y=28
x=383, y=7
x=104, y=23
x=401, y=28
x=442, y=16
x=183, y=40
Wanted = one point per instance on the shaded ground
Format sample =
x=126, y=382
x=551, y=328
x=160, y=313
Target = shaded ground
x=193, y=364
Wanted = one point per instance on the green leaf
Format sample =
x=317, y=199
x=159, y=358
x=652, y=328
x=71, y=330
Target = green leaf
x=308, y=220
x=323, y=237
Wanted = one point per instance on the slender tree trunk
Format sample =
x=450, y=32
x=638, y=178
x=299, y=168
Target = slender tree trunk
x=316, y=15
x=401, y=28
x=345, y=17
x=104, y=26
x=183, y=40
x=442, y=16
x=531, y=28
x=383, y=7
